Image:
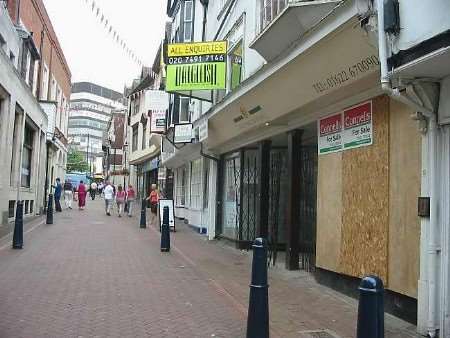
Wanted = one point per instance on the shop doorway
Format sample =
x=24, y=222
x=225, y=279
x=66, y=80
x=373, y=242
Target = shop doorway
x=240, y=186
x=277, y=201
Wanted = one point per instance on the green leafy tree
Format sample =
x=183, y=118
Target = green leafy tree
x=76, y=161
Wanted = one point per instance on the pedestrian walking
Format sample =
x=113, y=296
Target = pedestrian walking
x=131, y=197
x=93, y=190
x=57, y=195
x=108, y=192
x=81, y=195
x=154, y=199
x=100, y=188
x=120, y=199
x=68, y=194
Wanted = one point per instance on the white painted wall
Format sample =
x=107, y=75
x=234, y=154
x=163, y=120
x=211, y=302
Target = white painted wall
x=16, y=92
x=421, y=20
x=9, y=34
x=247, y=9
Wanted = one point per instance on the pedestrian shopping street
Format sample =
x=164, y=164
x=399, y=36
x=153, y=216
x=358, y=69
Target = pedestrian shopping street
x=90, y=275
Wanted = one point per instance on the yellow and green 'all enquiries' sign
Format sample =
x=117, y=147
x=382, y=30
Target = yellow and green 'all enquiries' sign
x=196, y=66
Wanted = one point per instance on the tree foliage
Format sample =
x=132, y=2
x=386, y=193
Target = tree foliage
x=76, y=161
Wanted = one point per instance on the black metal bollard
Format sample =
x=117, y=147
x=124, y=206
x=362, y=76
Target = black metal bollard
x=258, y=307
x=165, y=231
x=18, y=227
x=371, y=308
x=143, y=214
x=50, y=210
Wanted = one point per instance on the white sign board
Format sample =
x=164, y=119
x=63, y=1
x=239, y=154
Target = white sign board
x=330, y=134
x=358, y=126
x=183, y=133
x=49, y=107
x=157, y=121
x=167, y=203
x=157, y=100
x=203, y=130
x=158, y=104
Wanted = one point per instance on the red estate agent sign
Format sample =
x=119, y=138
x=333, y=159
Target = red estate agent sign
x=358, y=126
x=330, y=134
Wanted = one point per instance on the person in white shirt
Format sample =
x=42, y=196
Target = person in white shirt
x=108, y=192
x=93, y=190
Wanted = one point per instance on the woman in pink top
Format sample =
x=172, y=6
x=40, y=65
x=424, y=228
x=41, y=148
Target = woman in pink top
x=131, y=196
x=120, y=199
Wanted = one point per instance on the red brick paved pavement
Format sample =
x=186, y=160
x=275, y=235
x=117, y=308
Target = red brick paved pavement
x=89, y=275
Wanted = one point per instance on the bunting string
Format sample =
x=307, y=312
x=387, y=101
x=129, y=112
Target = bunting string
x=111, y=31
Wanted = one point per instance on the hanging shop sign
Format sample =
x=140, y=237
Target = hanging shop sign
x=196, y=66
x=330, y=134
x=358, y=126
x=158, y=121
x=158, y=106
x=183, y=133
x=349, y=129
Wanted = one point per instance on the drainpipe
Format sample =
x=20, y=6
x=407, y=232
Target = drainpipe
x=433, y=245
x=433, y=248
x=205, y=4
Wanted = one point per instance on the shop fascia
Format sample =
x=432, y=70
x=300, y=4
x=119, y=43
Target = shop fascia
x=314, y=85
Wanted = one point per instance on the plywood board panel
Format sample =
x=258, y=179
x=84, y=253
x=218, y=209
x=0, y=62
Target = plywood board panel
x=329, y=211
x=404, y=188
x=365, y=198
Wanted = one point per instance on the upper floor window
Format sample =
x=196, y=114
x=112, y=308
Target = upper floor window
x=188, y=19
x=44, y=84
x=185, y=103
x=53, y=89
x=183, y=22
x=134, y=140
x=136, y=104
x=35, y=78
x=144, y=135
x=270, y=10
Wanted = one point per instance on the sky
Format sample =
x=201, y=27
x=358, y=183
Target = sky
x=89, y=48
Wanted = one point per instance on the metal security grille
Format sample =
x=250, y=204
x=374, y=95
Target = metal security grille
x=231, y=196
x=277, y=201
x=308, y=200
x=250, y=181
